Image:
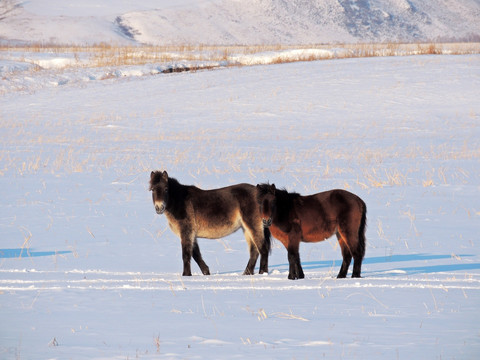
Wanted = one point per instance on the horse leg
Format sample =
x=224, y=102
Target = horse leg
x=357, y=266
x=359, y=253
x=295, y=266
x=187, y=240
x=197, y=256
x=263, y=262
x=257, y=244
x=301, y=275
x=292, y=268
x=250, y=269
x=346, y=254
x=265, y=250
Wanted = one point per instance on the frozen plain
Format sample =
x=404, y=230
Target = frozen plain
x=89, y=271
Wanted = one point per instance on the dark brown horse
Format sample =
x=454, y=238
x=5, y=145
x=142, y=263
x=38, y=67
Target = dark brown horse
x=195, y=213
x=293, y=218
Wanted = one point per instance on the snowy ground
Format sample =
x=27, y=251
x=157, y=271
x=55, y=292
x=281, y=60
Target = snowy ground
x=89, y=271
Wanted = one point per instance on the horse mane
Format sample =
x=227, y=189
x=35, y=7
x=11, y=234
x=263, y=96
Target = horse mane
x=177, y=197
x=286, y=199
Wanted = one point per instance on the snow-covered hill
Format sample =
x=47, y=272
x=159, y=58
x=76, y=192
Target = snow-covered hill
x=223, y=22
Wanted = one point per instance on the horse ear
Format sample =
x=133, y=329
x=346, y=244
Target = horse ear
x=273, y=188
x=165, y=175
x=152, y=179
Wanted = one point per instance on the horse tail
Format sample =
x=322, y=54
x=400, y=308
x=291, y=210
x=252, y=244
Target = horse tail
x=361, y=231
x=267, y=239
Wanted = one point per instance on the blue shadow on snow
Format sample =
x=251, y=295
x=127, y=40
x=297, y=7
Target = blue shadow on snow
x=26, y=253
x=427, y=269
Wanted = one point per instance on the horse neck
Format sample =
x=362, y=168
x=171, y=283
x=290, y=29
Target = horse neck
x=285, y=202
x=177, y=197
x=176, y=190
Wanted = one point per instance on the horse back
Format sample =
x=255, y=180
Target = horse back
x=224, y=199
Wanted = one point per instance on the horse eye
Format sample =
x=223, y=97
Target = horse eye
x=166, y=190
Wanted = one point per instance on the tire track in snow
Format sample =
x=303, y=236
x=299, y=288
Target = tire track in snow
x=15, y=280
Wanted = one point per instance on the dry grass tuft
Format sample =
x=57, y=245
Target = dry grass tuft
x=102, y=55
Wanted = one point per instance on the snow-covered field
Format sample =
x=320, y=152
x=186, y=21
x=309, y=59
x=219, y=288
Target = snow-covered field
x=89, y=271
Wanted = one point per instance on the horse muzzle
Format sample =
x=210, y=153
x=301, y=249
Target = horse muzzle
x=267, y=222
x=160, y=209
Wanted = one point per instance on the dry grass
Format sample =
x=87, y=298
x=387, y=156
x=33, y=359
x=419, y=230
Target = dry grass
x=61, y=151
x=106, y=55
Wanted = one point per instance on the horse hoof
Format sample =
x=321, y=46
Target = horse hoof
x=187, y=274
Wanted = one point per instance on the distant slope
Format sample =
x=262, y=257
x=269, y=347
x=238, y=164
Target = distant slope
x=240, y=22
x=302, y=21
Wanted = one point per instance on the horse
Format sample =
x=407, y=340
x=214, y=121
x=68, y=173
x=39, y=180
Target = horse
x=293, y=218
x=195, y=213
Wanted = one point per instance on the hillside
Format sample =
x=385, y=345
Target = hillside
x=224, y=22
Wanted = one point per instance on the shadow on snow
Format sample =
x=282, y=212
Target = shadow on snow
x=315, y=265
x=394, y=271
x=26, y=253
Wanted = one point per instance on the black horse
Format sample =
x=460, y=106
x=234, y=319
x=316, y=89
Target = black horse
x=293, y=218
x=195, y=213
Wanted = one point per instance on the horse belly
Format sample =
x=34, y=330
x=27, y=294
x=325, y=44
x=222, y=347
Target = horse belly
x=217, y=229
x=316, y=237
x=318, y=232
x=216, y=232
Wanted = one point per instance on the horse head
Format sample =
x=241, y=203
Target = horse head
x=266, y=201
x=159, y=189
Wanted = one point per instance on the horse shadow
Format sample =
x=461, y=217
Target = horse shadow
x=28, y=253
x=394, y=271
